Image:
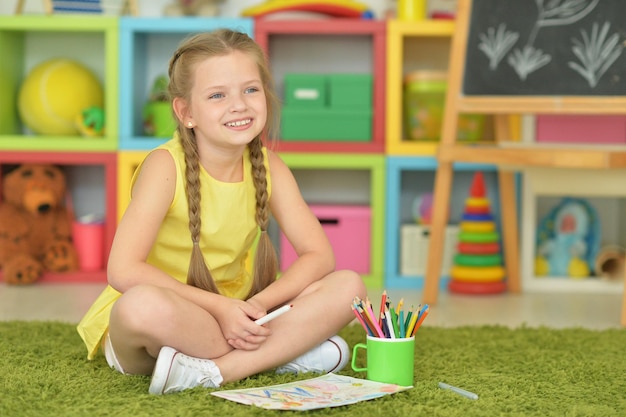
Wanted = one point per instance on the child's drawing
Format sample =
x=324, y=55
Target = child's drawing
x=596, y=52
x=329, y=390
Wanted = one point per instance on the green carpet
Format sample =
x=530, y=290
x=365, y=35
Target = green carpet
x=521, y=372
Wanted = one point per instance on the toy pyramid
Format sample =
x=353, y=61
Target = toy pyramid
x=477, y=266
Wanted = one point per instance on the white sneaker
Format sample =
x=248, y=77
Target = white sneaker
x=175, y=371
x=331, y=356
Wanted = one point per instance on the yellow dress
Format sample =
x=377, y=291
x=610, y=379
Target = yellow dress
x=229, y=231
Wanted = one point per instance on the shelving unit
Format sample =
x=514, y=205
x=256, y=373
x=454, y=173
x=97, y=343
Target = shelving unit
x=408, y=178
x=411, y=46
x=362, y=168
x=349, y=45
x=25, y=41
x=104, y=162
x=549, y=183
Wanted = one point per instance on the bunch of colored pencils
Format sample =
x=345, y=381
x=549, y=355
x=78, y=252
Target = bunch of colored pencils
x=392, y=323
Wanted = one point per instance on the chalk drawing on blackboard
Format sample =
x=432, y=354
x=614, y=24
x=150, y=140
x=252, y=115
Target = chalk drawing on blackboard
x=596, y=53
x=561, y=12
x=528, y=60
x=497, y=43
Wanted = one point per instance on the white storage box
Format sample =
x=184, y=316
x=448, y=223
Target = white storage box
x=414, y=240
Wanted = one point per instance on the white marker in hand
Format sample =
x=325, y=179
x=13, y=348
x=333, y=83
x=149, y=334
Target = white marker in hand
x=273, y=314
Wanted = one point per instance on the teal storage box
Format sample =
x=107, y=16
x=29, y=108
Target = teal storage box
x=352, y=91
x=306, y=90
x=326, y=125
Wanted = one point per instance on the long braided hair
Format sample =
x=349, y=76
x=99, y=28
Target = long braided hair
x=192, y=51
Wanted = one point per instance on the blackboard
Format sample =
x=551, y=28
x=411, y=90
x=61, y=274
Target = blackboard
x=546, y=47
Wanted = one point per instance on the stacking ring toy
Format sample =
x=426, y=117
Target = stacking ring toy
x=473, y=274
x=476, y=288
x=478, y=248
x=477, y=260
x=479, y=227
x=485, y=217
x=474, y=237
x=477, y=202
x=477, y=210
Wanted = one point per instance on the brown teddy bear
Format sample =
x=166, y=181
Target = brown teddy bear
x=35, y=227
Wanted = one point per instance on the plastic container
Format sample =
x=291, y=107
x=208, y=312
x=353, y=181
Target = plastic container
x=424, y=102
x=88, y=237
x=412, y=10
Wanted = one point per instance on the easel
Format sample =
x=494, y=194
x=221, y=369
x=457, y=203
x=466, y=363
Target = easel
x=127, y=7
x=508, y=158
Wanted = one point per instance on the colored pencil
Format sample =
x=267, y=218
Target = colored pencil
x=390, y=324
x=374, y=321
x=383, y=300
x=421, y=320
x=360, y=319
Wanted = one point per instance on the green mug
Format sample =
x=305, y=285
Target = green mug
x=390, y=361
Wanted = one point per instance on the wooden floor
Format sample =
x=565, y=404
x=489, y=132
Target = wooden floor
x=68, y=302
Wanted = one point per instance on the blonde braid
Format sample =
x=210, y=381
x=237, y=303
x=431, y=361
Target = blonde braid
x=198, y=274
x=265, y=261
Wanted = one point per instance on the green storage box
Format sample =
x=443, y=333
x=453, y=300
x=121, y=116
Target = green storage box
x=352, y=91
x=306, y=90
x=326, y=125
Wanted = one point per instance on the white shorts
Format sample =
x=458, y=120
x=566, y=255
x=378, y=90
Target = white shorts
x=109, y=354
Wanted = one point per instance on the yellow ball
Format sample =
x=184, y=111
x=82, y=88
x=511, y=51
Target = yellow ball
x=53, y=95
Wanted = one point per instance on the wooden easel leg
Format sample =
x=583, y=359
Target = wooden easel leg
x=623, y=321
x=509, y=229
x=48, y=7
x=130, y=7
x=508, y=206
x=441, y=207
x=19, y=7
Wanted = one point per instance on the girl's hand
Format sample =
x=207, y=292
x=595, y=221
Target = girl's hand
x=238, y=326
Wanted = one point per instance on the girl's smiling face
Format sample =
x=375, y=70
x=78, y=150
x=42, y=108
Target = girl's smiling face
x=228, y=104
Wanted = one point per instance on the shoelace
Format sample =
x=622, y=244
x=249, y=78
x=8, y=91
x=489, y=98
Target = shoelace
x=195, y=372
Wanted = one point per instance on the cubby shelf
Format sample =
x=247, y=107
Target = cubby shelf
x=337, y=35
x=146, y=45
x=26, y=41
x=406, y=179
x=603, y=189
x=411, y=46
x=375, y=167
x=105, y=160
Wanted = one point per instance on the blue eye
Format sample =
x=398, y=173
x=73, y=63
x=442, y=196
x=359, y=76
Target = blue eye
x=216, y=96
x=251, y=90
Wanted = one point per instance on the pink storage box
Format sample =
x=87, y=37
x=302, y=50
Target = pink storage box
x=349, y=230
x=582, y=129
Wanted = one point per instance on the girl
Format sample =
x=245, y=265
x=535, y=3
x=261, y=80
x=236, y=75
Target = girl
x=181, y=302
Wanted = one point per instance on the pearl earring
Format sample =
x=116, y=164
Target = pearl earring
x=190, y=125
